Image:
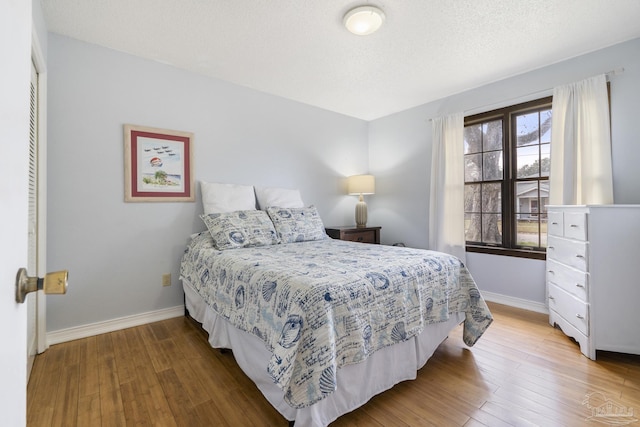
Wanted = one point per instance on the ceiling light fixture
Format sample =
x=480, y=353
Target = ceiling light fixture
x=364, y=20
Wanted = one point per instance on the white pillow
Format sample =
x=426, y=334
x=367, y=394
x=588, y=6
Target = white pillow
x=219, y=198
x=278, y=197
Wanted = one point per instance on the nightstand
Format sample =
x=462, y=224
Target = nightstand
x=355, y=234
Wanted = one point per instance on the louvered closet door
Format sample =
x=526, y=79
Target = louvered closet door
x=32, y=263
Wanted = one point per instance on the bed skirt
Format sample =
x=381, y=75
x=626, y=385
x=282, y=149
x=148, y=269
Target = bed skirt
x=356, y=384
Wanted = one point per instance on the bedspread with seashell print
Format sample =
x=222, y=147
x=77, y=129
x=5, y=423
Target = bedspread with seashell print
x=320, y=305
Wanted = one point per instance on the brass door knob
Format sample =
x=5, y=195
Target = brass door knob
x=52, y=283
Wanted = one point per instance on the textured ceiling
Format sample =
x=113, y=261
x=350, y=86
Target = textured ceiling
x=299, y=49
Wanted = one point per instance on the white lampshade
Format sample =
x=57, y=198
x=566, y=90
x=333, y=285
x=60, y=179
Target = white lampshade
x=364, y=20
x=361, y=184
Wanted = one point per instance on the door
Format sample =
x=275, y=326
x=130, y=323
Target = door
x=38, y=193
x=36, y=262
x=15, y=51
x=32, y=242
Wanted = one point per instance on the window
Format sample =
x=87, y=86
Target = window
x=507, y=162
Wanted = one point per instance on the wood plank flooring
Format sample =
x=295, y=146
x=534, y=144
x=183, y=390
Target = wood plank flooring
x=522, y=372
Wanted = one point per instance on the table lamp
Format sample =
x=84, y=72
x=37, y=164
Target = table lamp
x=361, y=185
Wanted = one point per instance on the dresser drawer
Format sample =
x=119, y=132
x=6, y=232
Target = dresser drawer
x=368, y=236
x=569, y=279
x=569, y=252
x=573, y=310
x=555, y=224
x=575, y=225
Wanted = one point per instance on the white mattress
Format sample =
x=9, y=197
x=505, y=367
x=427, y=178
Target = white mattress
x=356, y=383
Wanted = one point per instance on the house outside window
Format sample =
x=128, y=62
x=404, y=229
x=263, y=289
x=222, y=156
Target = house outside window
x=507, y=161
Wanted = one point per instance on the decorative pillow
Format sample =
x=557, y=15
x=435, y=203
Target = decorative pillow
x=218, y=198
x=297, y=224
x=279, y=197
x=240, y=229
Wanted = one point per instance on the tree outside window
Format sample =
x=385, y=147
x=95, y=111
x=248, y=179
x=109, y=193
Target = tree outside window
x=507, y=159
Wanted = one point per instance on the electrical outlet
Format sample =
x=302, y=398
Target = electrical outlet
x=166, y=279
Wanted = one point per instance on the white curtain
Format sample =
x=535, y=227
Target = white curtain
x=446, y=206
x=581, y=144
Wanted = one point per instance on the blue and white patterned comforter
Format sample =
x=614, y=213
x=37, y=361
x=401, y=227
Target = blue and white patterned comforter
x=320, y=305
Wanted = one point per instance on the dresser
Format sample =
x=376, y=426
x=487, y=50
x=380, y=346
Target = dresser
x=593, y=275
x=355, y=234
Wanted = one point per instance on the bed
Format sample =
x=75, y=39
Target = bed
x=322, y=325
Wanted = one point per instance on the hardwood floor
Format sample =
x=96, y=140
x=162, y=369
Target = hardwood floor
x=522, y=372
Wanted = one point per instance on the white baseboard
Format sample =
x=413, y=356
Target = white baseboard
x=538, y=307
x=84, y=331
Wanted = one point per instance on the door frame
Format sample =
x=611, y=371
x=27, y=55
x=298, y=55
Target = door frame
x=37, y=56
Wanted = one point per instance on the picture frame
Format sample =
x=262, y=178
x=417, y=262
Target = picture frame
x=158, y=165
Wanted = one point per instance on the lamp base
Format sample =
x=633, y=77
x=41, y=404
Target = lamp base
x=361, y=213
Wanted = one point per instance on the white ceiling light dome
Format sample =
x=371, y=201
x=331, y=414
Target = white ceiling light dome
x=364, y=20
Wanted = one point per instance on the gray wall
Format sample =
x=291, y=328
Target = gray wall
x=400, y=157
x=116, y=252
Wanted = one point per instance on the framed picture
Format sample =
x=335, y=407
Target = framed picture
x=157, y=165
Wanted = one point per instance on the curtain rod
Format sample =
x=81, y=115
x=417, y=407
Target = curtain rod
x=614, y=72
x=526, y=97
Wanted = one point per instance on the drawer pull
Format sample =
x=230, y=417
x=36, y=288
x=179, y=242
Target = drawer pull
x=580, y=316
x=550, y=247
x=580, y=285
x=579, y=256
x=551, y=272
x=551, y=297
x=573, y=226
x=554, y=223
